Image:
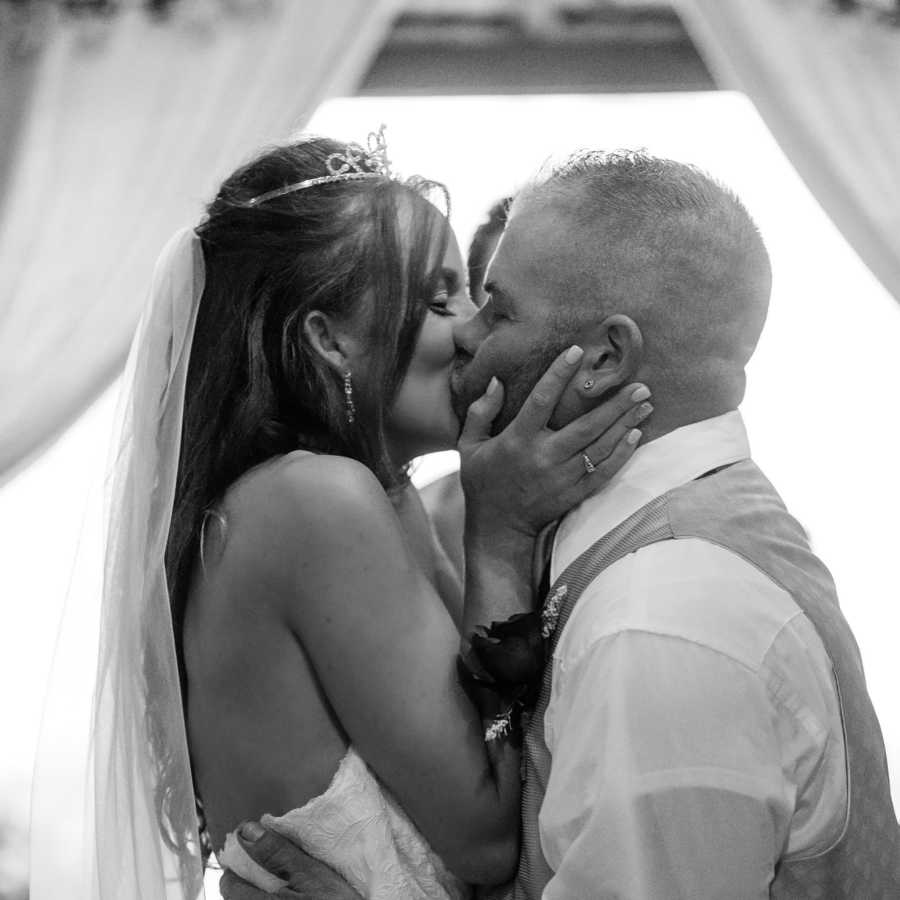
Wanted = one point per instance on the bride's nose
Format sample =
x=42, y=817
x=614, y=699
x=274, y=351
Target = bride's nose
x=468, y=332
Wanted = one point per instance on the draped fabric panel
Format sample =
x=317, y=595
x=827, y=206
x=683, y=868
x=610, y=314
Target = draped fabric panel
x=131, y=124
x=18, y=66
x=828, y=86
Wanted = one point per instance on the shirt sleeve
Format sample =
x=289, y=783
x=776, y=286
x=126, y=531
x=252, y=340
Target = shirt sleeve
x=666, y=779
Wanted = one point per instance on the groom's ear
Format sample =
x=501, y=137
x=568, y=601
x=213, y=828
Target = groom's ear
x=613, y=354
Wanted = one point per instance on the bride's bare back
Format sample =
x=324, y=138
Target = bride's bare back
x=262, y=733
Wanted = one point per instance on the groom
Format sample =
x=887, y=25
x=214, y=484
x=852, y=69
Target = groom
x=704, y=729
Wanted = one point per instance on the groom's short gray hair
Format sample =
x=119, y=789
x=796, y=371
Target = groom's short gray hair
x=629, y=181
x=670, y=245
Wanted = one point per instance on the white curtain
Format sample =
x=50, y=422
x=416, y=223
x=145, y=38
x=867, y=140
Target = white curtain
x=131, y=124
x=828, y=86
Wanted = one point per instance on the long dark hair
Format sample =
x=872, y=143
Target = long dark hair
x=255, y=388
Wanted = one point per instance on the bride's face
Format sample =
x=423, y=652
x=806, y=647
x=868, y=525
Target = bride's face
x=422, y=418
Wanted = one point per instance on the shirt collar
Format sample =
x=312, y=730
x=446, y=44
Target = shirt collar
x=655, y=468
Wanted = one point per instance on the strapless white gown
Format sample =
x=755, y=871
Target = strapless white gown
x=359, y=830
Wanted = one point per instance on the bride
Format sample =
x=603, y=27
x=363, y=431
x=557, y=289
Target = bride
x=280, y=628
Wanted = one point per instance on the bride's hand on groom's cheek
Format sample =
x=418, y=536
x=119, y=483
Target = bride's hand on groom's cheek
x=307, y=878
x=529, y=474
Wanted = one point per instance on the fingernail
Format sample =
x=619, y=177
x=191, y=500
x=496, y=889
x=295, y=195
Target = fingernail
x=633, y=436
x=573, y=354
x=251, y=831
x=643, y=411
x=642, y=393
x=493, y=384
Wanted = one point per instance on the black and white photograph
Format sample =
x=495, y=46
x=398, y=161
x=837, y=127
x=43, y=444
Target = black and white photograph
x=449, y=449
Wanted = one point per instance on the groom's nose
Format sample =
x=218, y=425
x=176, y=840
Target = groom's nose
x=468, y=334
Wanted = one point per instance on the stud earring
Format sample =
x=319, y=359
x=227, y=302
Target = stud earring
x=348, y=398
x=589, y=384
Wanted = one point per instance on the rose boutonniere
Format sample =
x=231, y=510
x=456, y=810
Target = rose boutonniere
x=506, y=660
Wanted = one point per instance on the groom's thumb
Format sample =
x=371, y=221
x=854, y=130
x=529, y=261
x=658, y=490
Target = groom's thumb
x=481, y=415
x=307, y=878
x=276, y=854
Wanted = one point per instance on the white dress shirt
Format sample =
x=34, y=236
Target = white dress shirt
x=694, y=724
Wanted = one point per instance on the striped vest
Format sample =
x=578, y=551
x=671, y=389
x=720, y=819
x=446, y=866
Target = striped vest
x=738, y=509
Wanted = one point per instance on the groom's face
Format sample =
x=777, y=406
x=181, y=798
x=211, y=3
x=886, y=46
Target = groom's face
x=517, y=333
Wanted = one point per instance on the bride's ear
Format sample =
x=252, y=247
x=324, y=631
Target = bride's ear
x=329, y=339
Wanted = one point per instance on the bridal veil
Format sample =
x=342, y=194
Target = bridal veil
x=115, y=818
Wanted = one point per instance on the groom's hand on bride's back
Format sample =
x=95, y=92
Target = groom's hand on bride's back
x=307, y=878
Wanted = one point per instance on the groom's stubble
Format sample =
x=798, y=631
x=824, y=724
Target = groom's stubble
x=518, y=374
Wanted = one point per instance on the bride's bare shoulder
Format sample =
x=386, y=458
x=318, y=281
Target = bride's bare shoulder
x=297, y=482
x=303, y=505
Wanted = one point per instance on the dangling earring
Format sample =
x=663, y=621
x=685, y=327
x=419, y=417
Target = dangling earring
x=348, y=398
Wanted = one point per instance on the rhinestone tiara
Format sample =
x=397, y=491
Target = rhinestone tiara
x=356, y=163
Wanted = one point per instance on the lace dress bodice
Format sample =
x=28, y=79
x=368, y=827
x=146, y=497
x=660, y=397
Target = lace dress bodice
x=358, y=829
